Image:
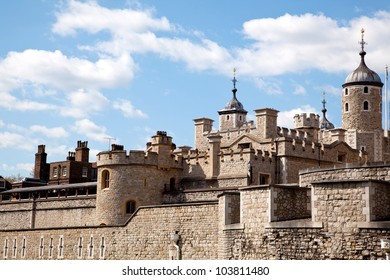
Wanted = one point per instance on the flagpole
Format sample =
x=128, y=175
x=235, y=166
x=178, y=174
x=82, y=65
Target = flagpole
x=387, y=102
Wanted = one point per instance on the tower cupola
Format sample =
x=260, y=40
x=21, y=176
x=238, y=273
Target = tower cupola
x=363, y=75
x=234, y=114
x=325, y=123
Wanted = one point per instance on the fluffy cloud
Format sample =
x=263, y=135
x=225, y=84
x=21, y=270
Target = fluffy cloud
x=293, y=43
x=62, y=72
x=55, y=132
x=91, y=17
x=128, y=110
x=81, y=103
x=91, y=130
x=9, y=139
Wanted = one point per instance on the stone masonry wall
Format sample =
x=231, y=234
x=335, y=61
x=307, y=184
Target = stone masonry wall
x=289, y=203
x=146, y=236
x=48, y=213
x=373, y=172
x=380, y=201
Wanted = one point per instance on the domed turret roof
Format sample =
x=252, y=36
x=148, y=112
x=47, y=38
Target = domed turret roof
x=363, y=75
x=233, y=106
x=325, y=123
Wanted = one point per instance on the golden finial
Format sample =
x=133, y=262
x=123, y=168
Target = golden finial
x=234, y=77
x=362, y=42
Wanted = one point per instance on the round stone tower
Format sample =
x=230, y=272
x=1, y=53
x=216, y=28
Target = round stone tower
x=128, y=180
x=362, y=109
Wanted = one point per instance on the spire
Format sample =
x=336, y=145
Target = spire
x=325, y=124
x=234, y=78
x=233, y=106
x=234, y=90
x=362, y=42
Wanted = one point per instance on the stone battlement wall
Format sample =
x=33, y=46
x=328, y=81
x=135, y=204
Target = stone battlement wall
x=134, y=157
x=145, y=236
x=350, y=171
x=47, y=213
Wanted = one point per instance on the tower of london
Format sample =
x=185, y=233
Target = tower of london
x=245, y=189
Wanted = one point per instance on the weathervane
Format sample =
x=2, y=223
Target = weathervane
x=323, y=100
x=234, y=77
x=362, y=42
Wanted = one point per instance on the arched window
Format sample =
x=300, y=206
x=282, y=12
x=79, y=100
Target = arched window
x=365, y=105
x=346, y=107
x=130, y=207
x=227, y=117
x=365, y=90
x=105, y=179
x=346, y=91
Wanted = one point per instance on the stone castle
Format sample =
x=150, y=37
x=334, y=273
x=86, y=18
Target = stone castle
x=249, y=190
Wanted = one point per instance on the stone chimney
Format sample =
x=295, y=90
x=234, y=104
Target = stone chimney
x=41, y=168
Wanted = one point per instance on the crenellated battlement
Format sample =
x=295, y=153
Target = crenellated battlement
x=293, y=133
x=135, y=157
x=305, y=120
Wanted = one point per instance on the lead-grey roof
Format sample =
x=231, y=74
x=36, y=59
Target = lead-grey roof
x=233, y=106
x=51, y=187
x=363, y=75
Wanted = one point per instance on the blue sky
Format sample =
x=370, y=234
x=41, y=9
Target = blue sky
x=92, y=70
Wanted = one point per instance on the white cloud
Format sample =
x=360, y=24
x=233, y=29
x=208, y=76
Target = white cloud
x=55, y=132
x=90, y=130
x=10, y=102
x=91, y=17
x=299, y=90
x=59, y=71
x=269, y=85
x=136, y=31
x=286, y=118
x=128, y=110
x=20, y=141
x=293, y=43
x=82, y=102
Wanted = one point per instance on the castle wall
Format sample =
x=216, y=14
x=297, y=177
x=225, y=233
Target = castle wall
x=289, y=202
x=47, y=213
x=349, y=171
x=146, y=236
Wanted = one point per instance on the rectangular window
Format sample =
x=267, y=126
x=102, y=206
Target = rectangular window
x=55, y=172
x=64, y=171
x=24, y=247
x=85, y=172
x=263, y=179
x=90, y=248
x=61, y=248
x=102, y=248
x=14, y=248
x=41, y=248
x=51, y=248
x=80, y=248
x=6, y=249
x=341, y=157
